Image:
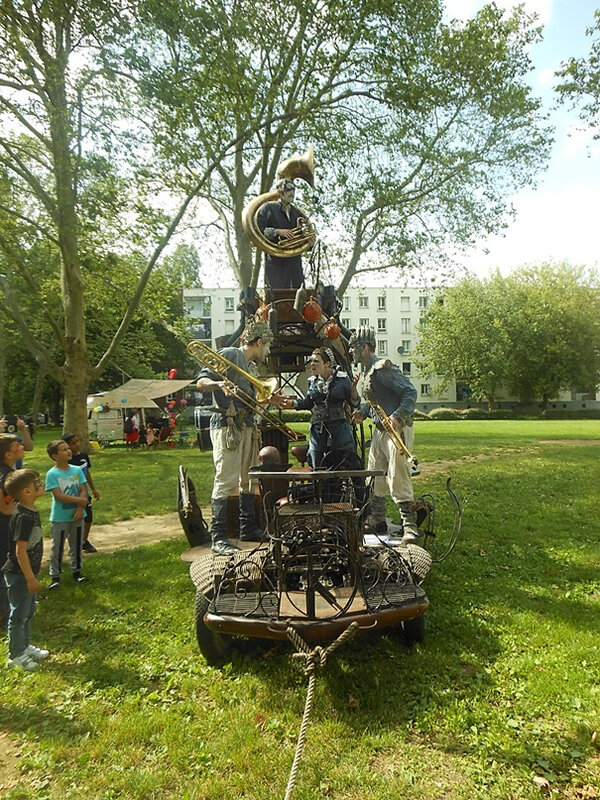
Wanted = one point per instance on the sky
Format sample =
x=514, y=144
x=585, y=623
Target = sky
x=558, y=219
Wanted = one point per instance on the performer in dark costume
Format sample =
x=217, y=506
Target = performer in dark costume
x=276, y=221
x=329, y=388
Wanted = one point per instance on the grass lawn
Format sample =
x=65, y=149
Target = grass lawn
x=504, y=692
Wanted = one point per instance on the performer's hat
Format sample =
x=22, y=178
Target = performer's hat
x=285, y=183
x=256, y=328
x=363, y=335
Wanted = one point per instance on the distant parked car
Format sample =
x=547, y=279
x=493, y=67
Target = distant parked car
x=41, y=418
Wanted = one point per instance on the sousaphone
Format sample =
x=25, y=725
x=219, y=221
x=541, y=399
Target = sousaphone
x=295, y=167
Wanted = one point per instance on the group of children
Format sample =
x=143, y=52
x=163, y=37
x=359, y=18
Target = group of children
x=21, y=544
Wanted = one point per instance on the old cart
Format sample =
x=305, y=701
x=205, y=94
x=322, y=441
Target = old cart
x=316, y=571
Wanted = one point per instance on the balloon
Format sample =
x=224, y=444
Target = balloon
x=96, y=409
x=123, y=400
x=172, y=374
x=100, y=408
x=183, y=401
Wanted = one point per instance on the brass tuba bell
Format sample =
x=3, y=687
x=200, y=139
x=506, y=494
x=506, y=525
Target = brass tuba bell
x=295, y=167
x=300, y=167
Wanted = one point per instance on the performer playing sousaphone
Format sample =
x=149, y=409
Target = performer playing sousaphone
x=234, y=435
x=279, y=228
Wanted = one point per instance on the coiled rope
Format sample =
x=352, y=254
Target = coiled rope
x=314, y=660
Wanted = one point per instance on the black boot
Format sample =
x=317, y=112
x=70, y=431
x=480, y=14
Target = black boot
x=376, y=522
x=218, y=528
x=249, y=530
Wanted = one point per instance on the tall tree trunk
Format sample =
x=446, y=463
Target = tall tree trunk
x=2, y=367
x=76, y=370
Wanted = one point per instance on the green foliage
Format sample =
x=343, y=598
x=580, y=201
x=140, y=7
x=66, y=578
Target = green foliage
x=536, y=332
x=581, y=79
x=566, y=413
x=463, y=336
x=443, y=413
x=554, y=330
x=473, y=413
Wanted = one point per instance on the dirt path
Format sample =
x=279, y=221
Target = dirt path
x=133, y=533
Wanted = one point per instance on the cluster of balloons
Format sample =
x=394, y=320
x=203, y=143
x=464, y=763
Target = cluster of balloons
x=173, y=403
x=96, y=409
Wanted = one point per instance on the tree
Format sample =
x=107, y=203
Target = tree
x=73, y=184
x=464, y=337
x=581, y=79
x=422, y=129
x=554, y=330
x=536, y=332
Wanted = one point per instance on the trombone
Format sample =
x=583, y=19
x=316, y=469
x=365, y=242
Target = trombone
x=264, y=386
x=395, y=435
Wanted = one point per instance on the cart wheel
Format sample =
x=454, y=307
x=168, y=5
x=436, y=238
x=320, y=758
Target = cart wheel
x=215, y=647
x=414, y=630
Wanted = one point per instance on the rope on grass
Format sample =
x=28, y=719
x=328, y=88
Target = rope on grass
x=314, y=660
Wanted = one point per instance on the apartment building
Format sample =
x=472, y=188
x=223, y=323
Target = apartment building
x=394, y=312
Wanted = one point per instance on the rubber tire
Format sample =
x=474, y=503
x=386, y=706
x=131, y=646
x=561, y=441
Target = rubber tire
x=414, y=630
x=215, y=647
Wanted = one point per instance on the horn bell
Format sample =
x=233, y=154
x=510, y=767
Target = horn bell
x=300, y=167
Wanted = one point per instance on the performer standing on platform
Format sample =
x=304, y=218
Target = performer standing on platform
x=329, y=388
x=276, y=221
x=235, y=436
x=386, y=385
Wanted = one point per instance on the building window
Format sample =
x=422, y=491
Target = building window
x=204, y=307
x=381, y=325
x=346, y=302
x=405, y=325
x=382, y=347
x=381, y=302
x=364, y=322
x=406, y=345
x=406, y=367
x=229, y=325
x=405, y=304
x=229, y=304
x=345, y=322
x=425, y=388
x=363, y=302
x=423, y=302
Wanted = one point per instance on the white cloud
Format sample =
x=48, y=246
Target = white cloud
x=461, y=9
x=559, y=225
x=546, y=77
x=464, y=9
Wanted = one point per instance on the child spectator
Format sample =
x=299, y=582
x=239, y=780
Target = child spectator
x=11, y=451
x=22, y=568
x=82, y=460
x=69, y=499
x=150, y=435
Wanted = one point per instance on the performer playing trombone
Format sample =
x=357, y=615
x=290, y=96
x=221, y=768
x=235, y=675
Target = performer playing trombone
x=385, y=385
x=234, y=435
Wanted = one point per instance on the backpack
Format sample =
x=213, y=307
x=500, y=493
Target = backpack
x=128, y=425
